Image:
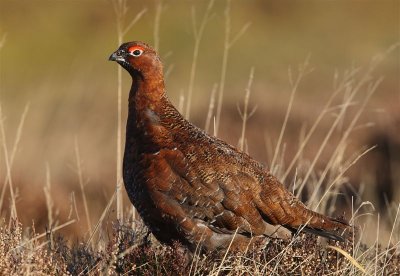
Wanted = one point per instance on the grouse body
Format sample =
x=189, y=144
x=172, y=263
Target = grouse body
x=194, y=188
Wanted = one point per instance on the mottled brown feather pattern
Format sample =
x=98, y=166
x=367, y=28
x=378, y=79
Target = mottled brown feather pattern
x=194, y=188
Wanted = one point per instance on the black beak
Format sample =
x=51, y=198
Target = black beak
x=113, y=57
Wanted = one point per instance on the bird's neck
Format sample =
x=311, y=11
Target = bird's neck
x=148, y=106
x=146, y=102
x=146, y=93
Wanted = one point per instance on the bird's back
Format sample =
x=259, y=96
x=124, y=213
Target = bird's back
x=203, y=187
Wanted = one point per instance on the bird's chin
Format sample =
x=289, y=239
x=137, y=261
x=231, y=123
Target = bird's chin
x=128, y=67
x=124, y=64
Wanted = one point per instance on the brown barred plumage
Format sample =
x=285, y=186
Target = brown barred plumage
x=192, y=187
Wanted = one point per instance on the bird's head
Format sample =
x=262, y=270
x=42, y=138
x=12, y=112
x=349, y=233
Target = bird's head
x=139, y=59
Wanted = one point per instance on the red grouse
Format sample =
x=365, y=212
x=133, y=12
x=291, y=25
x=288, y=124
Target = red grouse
x=194, y=188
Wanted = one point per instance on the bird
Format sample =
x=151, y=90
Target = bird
x=191, y=187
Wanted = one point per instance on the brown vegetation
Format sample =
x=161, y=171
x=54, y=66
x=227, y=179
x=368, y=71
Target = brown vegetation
x=131, y=252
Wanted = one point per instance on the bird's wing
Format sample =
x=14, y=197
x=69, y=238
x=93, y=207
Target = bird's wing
x=217, y=193
x=203, y=180
x=230, y=198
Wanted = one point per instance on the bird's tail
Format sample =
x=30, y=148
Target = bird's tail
x=279, y=206
x=332, y=228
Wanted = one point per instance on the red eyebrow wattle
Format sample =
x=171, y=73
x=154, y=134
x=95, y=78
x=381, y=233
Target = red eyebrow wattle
x=133, y=48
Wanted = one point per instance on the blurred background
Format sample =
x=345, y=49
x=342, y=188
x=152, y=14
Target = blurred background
x=54, y=60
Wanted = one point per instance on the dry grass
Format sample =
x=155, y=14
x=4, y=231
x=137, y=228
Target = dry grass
x=129, y=251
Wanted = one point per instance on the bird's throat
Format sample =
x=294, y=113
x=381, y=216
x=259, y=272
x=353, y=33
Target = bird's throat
x=145, y=92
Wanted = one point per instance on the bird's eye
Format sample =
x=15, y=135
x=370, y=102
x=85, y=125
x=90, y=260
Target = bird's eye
x=136, y=52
